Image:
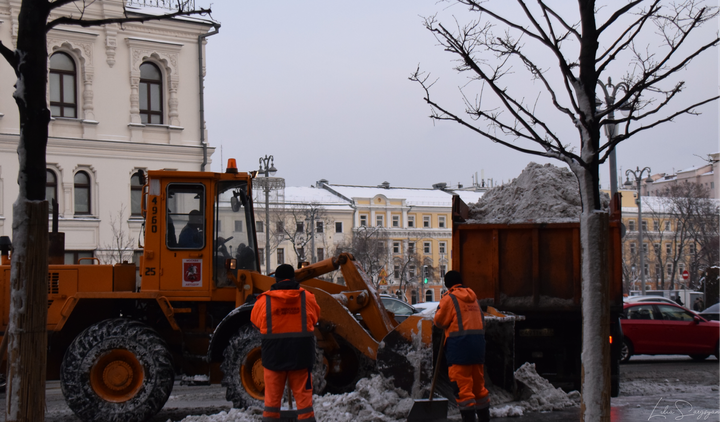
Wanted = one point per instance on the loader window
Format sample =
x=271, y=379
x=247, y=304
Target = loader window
x=233, y=209
x=185, y=216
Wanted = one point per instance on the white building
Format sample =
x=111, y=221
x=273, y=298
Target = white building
x=124, y=99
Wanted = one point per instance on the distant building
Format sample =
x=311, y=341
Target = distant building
x=705, y=175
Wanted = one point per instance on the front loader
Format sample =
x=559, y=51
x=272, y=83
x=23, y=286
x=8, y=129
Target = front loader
x=117, y=345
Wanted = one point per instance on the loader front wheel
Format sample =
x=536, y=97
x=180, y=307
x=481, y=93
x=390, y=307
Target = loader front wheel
x=117, y=370
x=242, y=368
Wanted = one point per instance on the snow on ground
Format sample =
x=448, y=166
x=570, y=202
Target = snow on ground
x=540, y=194
x=376, y=400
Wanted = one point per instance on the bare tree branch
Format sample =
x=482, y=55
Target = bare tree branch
x=64, y=20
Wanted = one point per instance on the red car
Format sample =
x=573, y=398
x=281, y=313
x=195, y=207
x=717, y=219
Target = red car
x=666, y=329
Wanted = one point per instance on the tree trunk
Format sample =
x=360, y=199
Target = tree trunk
x=25, y=399
x=27, y=338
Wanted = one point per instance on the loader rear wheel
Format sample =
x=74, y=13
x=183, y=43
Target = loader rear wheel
x=242, y=369
x=117, y=370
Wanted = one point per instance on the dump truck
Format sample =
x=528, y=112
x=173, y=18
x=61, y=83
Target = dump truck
x=117, y=345
x=533, y=269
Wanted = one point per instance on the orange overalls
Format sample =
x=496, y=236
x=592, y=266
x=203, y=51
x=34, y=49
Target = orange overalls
x=286, y=317
x=459, y=314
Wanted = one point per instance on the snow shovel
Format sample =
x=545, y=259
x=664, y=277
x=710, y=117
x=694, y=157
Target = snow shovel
x=429, y=409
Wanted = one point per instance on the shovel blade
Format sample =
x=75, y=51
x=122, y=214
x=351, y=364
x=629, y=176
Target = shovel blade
x=428, y=410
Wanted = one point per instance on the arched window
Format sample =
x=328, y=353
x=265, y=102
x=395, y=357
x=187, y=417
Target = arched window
x=136, y=184
x=429, y=295
x=63, y=86
x=82, y=193
x=151, y=94
x=51, y=189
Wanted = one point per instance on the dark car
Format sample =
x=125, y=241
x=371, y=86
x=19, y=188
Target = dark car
x=667, y=329
x=712, y=313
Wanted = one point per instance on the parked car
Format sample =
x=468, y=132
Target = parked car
x=427, y=308
x=660, y=328
x=635, y=299
x=400, y=309
x=712, y=313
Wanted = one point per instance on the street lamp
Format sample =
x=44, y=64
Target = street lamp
x=609, y=90
x=638, y=175
x=268, y=168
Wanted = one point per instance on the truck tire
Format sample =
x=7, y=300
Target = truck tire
x=117, y=370
x=242, y=369
x=243, y=372
x=626, y=351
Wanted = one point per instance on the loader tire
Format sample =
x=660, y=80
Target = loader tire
x=243, y=371
x=117, y=370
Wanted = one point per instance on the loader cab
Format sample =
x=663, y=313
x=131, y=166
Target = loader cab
x=199, y=230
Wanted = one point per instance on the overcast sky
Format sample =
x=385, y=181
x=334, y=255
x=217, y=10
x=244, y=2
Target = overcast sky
x=322, y=85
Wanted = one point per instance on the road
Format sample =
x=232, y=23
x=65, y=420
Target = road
x=649, y=386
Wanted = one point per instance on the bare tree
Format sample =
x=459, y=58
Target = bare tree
x=497, y=47
x=120, y=248
x=29, y=61
x=369, y=246
x=302, y=225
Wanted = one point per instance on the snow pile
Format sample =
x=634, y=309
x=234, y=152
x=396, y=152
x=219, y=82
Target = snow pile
x=541, y=194
x=375, y=399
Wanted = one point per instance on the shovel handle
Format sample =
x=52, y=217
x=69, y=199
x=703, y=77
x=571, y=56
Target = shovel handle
x=437, y=368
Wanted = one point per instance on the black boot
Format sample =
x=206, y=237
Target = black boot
x=467, y=415
x=483, y=415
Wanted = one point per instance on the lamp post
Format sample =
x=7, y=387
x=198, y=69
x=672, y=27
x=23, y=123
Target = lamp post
x=268, y=168
x=609, y=91
x=638, y=175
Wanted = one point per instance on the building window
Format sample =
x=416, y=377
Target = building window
x=82, y=193
x=632, y=249
x=50, y=189
x=396, y=247
x=396, y=271
x=427, y=248
x=411, y=248
x=261, y=255
x=338, y=227
x=426, y=221
x=259, y=227
x=668, y=270
x=429, y=295
x=320, y=254
x=645, y=248
x=299, y=227
x=668, y=248
x=301, y=252
x=681, y=267
x=631, y=225
x=644, y=225
x=646, y=269
x=656, y=248
x=151, y=111
x=238, y=225
x=667, y=226
x=441, y=247
x=656, y=225
x=379, y=220
x=396, y=221
x=381, y=247
x=280, y=226
x=319, y=227
x=657, y=270
x=280, y=256
x=411, y=221
x=63, y=86
x=693, y=248
x=441, y=221
x=443, y=271
x=411, y=271
x=137, y=181
x=363, y=220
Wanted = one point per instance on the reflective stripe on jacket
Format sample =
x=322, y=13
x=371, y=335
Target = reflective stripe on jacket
x=459, y=314
x=286, y=317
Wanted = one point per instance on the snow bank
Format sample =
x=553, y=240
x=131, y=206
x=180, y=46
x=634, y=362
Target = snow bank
x=541, y=194
x=376, y=400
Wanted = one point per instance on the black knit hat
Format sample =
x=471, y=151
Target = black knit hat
x=284, y=272
x=452, y=278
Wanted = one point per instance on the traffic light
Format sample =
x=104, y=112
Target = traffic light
x=426, y=274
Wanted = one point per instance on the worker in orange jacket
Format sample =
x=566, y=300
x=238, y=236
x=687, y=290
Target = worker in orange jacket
x=286, y=317
x=460, y=315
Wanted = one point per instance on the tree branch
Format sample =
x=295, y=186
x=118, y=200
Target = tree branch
x=10, y=56
x=95, y=22
x=619, y=13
